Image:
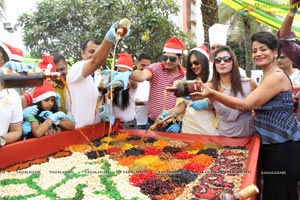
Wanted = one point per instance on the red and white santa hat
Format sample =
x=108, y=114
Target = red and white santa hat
x=13, y=53
x=43, y=92
x=47, y=64
x=124, y=60
x=202, y=49
x=174, y=45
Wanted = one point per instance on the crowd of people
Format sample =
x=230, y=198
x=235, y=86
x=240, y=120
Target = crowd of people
x=230, y=104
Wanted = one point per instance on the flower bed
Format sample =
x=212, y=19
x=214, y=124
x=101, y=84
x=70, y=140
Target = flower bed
x=126, y=166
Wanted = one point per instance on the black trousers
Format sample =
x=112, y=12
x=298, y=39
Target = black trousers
x=280, y=169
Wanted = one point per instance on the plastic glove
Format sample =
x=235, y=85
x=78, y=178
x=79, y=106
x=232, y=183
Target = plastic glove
x=122, y=76
x=56, y=117
x=105, y=114
x=71, y=118
x=57, y=99
x=45, y=114
x=18, y=67
x=111, y=33
x=26, y=128
x=30, y=111
x=175, y=128
x=164, y=114
x=199, y=104
x=107, y=71
x=187, y=97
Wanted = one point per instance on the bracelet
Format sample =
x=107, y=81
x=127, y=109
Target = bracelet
x=292, y=13
x=173, y=114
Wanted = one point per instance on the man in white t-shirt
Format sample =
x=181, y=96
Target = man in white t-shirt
x=142, y=93
x=82, y=101
x=11, y=115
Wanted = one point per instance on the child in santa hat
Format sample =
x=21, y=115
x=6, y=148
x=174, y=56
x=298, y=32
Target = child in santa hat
x=45, y=117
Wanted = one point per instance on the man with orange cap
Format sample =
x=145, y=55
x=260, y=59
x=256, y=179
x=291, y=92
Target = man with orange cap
x=160, y=75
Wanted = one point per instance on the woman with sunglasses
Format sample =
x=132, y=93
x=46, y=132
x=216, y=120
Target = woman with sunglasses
x=274, y=120
x=194, y=120
x=228, y=81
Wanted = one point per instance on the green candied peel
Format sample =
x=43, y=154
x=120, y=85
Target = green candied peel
x=110, y=189
x=29, y=181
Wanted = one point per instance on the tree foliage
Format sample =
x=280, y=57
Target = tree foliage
x=62, y=25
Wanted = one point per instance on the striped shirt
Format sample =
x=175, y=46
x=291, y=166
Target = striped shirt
x=158, y=82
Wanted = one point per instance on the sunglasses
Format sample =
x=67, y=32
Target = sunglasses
x=195, y=62
x=171, y=58
x=226, y=59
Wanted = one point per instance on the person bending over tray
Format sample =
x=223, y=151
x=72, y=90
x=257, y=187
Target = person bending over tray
x=275, y=122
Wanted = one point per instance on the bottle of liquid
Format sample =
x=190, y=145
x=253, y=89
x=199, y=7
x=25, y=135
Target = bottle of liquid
x=17, y=80
x=184, y=88
x=243, y=194
x=122, y=28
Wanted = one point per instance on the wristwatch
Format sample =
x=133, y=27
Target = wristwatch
x=2, y=141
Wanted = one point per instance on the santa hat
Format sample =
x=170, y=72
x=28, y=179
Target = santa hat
x=202, y=49
x=125, y=61
x=174, y=45
x=47, y=64
x=13, y=53
x=43, y=92
x=218, y=34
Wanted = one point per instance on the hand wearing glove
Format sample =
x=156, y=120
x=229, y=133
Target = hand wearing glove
x=107, y=71
x=45, y=114
x=18, y=67
x=105, y=114
x=30, y=111
x=26, y=128
x=57, y=99
x=56, y=117
x=175, y=128
x=187, y=97
x=123, y=77
x=164, y=114
x=111, y=33
x=71, y=118
x=199, y=104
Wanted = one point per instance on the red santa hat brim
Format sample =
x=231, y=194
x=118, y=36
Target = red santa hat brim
x=125, y=61
x=13, y=53
x=201, y=50
x=174, y=45
x=43, y=92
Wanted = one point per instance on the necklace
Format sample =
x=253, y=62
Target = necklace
x=223, y=86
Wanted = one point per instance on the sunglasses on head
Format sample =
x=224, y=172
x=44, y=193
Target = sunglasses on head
x=226, y=59
x=171, y=58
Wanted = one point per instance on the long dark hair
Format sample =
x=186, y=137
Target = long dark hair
x=236, y=83
x=121, y=98
x=190, y=75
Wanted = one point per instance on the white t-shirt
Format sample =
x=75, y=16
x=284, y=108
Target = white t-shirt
x=295, y=76
x=142, y=93
x=11, y=112
x=84, y=95
x=128, y=114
